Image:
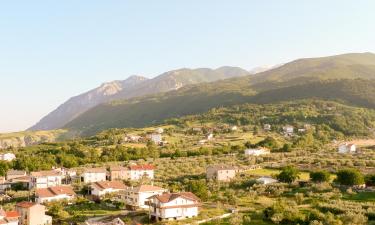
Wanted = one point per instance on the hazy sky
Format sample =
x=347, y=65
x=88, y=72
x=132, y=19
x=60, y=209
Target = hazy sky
x=52, y=50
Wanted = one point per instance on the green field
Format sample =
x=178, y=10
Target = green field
x=274, y=172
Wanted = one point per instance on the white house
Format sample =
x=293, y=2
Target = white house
x=56, y=193
x=101, y=188
x=9, y=217
x=91, y=175
x=159, y=130
x=174, y=206
x=137, y=197
x=45, y=179
x=288, y=129
x=7, y=157
x=155, y=137
x=266, y=180
x=210, y=136
x=141, y=171
x=257, y=151
x=234, y=128
x=347, y=148
x=267, y=127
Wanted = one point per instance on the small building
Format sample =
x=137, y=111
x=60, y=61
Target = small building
x=91, y=175
x=56, y=193
x=347, y=148
x=119, y=173
x=138, y=172
x=159, y=130
x=7, y=157
x=210, y=136
x=267, y=127
x=32, y=213
x=257, y=151
x=266, y=180
x=133, y=138
x=9, y=217
x=156, y=138
x=221, y=172
x=101, y=188
x=288, y=129
x=45, y=179
x=234, y=128
x=116, y=221
x=137, y=197
x=15, y=174
x=174, y=206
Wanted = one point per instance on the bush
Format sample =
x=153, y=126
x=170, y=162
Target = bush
x=288, y=174
x=320, y=176
x=350, y=177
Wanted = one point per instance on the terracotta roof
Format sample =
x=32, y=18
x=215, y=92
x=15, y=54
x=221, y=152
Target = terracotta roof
x=167, y=197
x=25, y=204
x=45, y=173
x=95, y=170
x=146, y=188
x=142, y=167
x=20, y=179
x=54, y=191
x=12, y=214
x=110, y=184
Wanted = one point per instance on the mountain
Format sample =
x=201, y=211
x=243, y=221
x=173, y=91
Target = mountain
x=134, y=86
x=26, y=138
x=334, y=77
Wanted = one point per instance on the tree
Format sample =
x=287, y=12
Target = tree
x=199, y=187
x=288, y=174
x=370, y=180
x=320, y=176
x=350, y=177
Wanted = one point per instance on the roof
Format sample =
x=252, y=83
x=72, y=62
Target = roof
x=109, y=184
x=16, y=172
x=95, y=170
x=21, y=179
x=117, y=168
x=45, y=173
x=167, y=197
x=11, y=214
x=147, y=188
x=25, y=204
x=142, y=167
x=222, y=167
x=54, y=191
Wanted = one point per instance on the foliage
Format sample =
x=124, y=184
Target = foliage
x=320, y=176
x=288, y=174
x=349, y=177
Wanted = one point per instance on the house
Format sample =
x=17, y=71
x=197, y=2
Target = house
x=7, y=157
x=15, y=174
x=288, y=129
x=234, y=128
x=210, y=136
x=202, y=142
x=174, y=206
x=56, y=193
x=159, y=130
x=266, y=180
x=24, y=181
x=221, y=172
x=119, y=173
x=91, y=175
x=257, y=151
x=32, y=213
x=137, y=197
x=347, y=148
x=116, y=221
x=4, y=185
x=301, y=130
x=267, y=127
x=141, y=171
x=133, y=138
x=155, y=137
x=9, y=217
x=101, y=188
x=45, y=179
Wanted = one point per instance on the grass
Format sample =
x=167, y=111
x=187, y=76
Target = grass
x=361, y=197
x=273, y=172
x=92, y=210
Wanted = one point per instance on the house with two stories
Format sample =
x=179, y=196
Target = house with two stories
x=137, y=197
x=8, y=217
x=221, y=172
x=91, y=175
x=173, y=206
x=138, y=172
x=45, y=179
x=119, y=173
x=32, y=213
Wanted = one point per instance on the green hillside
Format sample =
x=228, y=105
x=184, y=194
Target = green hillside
x=301, y=79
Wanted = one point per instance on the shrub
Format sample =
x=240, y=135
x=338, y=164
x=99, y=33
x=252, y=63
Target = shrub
x=288, y=174
x=320, y=176
x=350, y=177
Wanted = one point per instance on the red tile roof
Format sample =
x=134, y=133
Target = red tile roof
x=109, y=184
x=142, y=167
x=54, y=191
x=146, y=188
x=12, y=214
x=25, y=204
x=167, y=197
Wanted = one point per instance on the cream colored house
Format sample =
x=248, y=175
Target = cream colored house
x=347, y=148
x=9, y=217
x=221, y=172
x=257, y=151
x=174, y=206
x=119, y=173
x=101, y=188
x=137, y=197
x=91, y=175
x=45, y=179
x=138, y=172
x=32, y=214
x=56, y=193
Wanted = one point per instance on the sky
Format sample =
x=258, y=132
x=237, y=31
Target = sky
x=53, y=50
